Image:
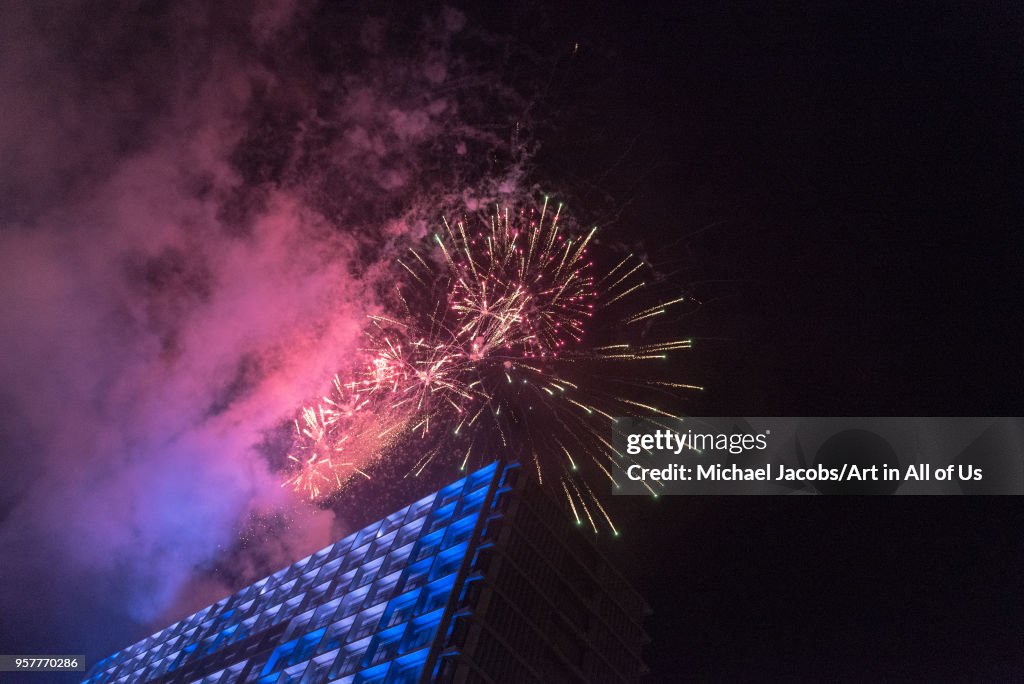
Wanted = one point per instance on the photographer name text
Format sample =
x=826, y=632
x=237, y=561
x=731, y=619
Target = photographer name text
x=714, y=472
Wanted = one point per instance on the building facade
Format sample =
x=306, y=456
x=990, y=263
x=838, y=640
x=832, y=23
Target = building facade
x=483, y=581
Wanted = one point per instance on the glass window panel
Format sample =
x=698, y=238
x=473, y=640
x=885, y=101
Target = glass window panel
x=385, y=645
x=448, y=561
x=324, y=613
x=353, y=601
x=396, y=559
x=307, y=645
x=367, y=533
x=472, y=503
x=366, y=622
x=374, y=675
x=450, y=493
x=440, y=518
x=367, y=572
x=421, y=630
x=393, y=521
x=318, y=668
x=428, y=545
x=381, y=545
x=383, y=588
x=336, y=634
x=409, y=532
x=459, y=531
x=400, y=608
x=435, y=595
x=420, y=508
x=349, y=659
x=329, y=570
x=406, y=670
x=416, y=575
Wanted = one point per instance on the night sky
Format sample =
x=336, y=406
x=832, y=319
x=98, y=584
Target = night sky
x=840, y=186
x=860, y=171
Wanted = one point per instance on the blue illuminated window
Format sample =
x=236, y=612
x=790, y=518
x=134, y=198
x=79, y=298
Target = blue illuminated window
x=367, y=572
x=393, y=521
x=448, y=561
x=324, y=613
x=366, y=534
x=440, y=517
x=406, y=670
x=307, y=645
x=409, y=532
x=459, y=531
x=396, y=559
x=353, y=601
x=472, y=503
x=343, y=584
x=400, y=609
x=350, y=658
x=419, y=508
x=374, y=675
x=421, y=631
x=366, y=622
x=435, y=594
x=416, y=575
x=385, y=645
x=279, y=656
x=429, y=545
x=380, y=545
x=450, y=494
x=363, y=610
x=318, y=668
x=337, y=634
x=328, y=570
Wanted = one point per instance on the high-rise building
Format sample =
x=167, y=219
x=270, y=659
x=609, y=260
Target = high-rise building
x=483, y=581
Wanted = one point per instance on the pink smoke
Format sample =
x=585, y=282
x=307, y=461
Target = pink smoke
x=196, y=221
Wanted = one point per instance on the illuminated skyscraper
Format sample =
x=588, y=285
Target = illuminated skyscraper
x=482, y=581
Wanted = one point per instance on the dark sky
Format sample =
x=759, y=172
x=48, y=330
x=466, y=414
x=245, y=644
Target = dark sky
x=840, y=185
x=859, y=168
x=860, y=171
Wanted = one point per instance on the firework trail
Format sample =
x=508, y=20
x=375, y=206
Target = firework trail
x=489, y=354
x=523, y=291
x=339, y=437
x=317, y=458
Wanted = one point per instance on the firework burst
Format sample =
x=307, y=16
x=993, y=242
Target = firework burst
x=318, y=463
x=489, y=352
x=503, y=341
x=519, y=287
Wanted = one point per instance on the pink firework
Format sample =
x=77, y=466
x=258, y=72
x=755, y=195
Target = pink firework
x=520, y=286
x=320, y=462
x=488, y=352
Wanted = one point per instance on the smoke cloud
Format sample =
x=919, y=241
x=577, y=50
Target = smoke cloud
x=200, y=203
